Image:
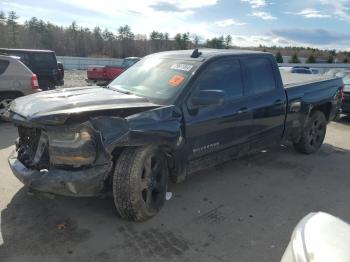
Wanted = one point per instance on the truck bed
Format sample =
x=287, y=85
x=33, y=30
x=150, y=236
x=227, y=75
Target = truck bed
x=291, y=80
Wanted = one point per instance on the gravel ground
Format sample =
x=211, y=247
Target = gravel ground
x=73, y=78
x=241, y=211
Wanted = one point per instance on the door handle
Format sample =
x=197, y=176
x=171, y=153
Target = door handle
x=278, y=102
x=242, y=110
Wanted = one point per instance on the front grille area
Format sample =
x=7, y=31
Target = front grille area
x=27, y=148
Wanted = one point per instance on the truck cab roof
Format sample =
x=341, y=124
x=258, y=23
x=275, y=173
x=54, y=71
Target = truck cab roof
x=206, y=53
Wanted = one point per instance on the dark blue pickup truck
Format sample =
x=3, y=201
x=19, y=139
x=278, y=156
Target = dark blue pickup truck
x=170, y=115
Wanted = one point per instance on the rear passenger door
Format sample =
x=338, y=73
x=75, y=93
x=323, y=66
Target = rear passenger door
x=267, y=101
x=214, y=128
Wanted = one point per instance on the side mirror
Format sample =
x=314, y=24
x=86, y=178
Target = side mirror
x=207, y=98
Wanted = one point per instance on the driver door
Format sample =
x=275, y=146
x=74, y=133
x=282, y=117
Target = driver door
x=216, y=128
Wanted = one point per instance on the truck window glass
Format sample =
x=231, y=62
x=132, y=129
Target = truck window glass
x=43, y=59
x=259, y=75
x=3, y=66
x=222, y=75
x=23, y=57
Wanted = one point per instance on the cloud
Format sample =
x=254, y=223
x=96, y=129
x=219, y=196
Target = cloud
x=165, y=7
x=255, y=3
x=312, y=13
x=267, y=39
x=229, y=22
x=314, y=37
x=263, y=15
x=341, y=8
x=193, y=3
x=140, y=7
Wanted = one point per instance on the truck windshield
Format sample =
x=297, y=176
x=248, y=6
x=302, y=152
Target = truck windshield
x=158, y=79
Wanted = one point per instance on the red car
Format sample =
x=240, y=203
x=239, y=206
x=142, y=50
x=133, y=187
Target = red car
x=103, y=75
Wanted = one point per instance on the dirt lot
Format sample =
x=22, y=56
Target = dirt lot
x=73, y=78
x=241, y=211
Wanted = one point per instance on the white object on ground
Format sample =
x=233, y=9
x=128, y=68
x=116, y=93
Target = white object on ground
x=319, y=237
x=168, y=195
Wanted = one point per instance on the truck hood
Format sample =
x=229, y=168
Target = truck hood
x=57, y=105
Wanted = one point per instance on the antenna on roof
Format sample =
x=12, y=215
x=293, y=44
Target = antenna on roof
x=196, y=53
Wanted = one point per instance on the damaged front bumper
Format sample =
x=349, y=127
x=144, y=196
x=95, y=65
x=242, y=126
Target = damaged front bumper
x=79, y=183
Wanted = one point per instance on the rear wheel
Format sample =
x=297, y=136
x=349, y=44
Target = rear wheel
x=5, y=101
x=140, y=182
x=313, y=134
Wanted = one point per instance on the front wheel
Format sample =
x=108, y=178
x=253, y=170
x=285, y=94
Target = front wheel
x=140, y=182
x=313, y=134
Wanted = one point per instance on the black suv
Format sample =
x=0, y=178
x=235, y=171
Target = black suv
x=43, y=63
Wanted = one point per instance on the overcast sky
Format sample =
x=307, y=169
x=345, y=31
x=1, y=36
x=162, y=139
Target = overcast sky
x=318, y=23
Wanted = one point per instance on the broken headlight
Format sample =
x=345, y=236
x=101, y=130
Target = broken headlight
x=72, y=148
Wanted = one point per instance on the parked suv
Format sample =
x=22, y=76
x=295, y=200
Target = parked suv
x=43, y=63
x=15, y=80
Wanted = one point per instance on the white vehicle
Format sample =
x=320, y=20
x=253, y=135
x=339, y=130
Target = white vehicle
x=319, y=237
x=16, y=80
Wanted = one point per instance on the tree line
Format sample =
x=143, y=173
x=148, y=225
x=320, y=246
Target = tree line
x=311, y=59
x=76, y=40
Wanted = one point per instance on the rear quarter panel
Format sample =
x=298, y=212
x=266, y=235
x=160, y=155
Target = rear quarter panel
x=303, y=98
x=16, y=78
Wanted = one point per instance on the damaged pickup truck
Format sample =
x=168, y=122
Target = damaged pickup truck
x=169, y=115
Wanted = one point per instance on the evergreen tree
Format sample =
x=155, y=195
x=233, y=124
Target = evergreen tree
x=124, y=32
x=3, y=35
x=279, y=57
x=311, y=59
x=294, y=59
x=330, y=59
x=2, y=18
x=182, y=40
x=12, y=25
x=228, y=41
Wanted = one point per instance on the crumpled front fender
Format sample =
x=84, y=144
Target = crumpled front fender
x=160, y=126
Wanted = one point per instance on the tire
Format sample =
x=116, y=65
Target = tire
x=46, y=85
x=313, y=134
x=5, y=100
x=140, y=182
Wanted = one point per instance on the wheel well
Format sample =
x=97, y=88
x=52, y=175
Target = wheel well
x=17, y=93
x=324, y=108
x=168, y=151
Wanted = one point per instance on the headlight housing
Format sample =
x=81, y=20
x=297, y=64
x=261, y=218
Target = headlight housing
x=72, y=147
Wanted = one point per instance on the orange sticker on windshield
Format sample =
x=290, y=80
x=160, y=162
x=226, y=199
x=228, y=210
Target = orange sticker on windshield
x=176, y=80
